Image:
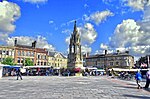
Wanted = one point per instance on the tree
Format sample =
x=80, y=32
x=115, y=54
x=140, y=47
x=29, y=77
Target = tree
x=28, y=62
x=8, y=61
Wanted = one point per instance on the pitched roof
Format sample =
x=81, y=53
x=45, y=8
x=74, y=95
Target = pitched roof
x=52, y=54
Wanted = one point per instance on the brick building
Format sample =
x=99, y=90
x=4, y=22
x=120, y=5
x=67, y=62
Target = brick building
x=21, y=52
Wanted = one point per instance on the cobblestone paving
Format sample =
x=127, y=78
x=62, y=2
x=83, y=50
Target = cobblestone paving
x=50, y=87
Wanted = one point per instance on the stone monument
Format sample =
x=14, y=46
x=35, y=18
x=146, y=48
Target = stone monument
x=75, y=58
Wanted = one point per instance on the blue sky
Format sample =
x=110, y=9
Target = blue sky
x=103, y=24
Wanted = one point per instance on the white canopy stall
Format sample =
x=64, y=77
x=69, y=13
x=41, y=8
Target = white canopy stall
x=1, y=69
x=121, y=69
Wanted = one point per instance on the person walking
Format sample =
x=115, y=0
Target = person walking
x=147, y=79
x=19, y=74
x=68, y=72
x=138, y=78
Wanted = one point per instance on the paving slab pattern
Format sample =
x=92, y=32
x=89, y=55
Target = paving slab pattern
x=55, y=87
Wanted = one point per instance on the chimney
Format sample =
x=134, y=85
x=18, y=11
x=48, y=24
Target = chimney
x=117, y=51
x=127, y=52
x=15, y=43
x=105, y=52
x=34, y=44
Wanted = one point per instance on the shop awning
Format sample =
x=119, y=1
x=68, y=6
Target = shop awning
x=9, y=66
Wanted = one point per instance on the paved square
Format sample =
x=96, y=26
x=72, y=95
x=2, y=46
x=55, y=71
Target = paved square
x=53, y=87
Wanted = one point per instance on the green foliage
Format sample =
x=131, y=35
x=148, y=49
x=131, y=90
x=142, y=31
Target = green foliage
x=8, y=61
x=28, y=62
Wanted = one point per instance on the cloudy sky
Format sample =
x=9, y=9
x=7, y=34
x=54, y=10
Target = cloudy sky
x=103, y=24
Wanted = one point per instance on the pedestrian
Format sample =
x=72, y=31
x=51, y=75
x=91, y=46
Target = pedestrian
x=19, y=74
x=138, y=78
x=147, y=79
x=68, y=72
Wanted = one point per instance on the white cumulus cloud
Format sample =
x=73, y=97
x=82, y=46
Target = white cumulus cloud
x=25, y=40
x=104, y=46
x=67, y=40
x=145, y=23
x=137, y=5
x=129, y=36
x=88, y=33
x=9, y=13
x=126, y=34
x=98, y=16
x=86, y=49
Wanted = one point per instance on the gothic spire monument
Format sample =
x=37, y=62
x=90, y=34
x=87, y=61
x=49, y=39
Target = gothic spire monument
x=75, y=57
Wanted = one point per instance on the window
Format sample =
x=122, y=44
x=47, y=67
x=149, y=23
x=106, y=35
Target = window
x=43, y=57
x=7, y=52
x=27, y=53
x=3, y=52
x=44, y=63
x=32, y=54
x=22, y=53
x=41, y=63
x=38, y=56
x=111, y=63
x=18, y=60
x=38, y=63
x=22, y=60
x=19, y=53
x=117, y=63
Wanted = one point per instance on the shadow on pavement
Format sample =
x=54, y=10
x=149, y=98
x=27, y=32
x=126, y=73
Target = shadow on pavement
x=136, y=96
x=13, y=79
x=146, y=89
x=132, y=84
x=131, y=87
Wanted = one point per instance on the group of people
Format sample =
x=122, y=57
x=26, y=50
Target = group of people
x=138, y=78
